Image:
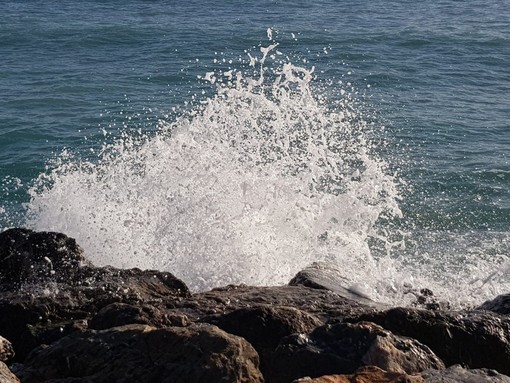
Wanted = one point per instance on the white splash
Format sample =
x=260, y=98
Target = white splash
x=256, y=184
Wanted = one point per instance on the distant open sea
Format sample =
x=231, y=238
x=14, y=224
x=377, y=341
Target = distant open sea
x=235, y=141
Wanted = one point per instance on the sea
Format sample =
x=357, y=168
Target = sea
x=239, y=142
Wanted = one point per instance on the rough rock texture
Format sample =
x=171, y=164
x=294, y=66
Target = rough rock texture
x=119, y=314
x=264, y=327
x=6, y=376
x=369, y=374
x=29, y=257
x=342, y=348
x=61, y=292
x=140, y=353
x=6, y=351
x=454, y=374
x=323, y=304
x=477, y=339
x=500, y=305
x=458, y=374
x=69, y=321
x=30, y=318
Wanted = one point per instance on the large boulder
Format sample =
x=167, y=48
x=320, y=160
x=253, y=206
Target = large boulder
x=28, y=257
x=476, y=339
x=30, y=318
x=342, y=348
x=264, y=327
x=48, y=290
x=141, y=353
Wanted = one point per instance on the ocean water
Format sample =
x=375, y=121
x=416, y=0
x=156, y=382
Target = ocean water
x=235, y=142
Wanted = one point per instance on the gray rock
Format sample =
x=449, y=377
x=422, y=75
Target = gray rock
x=458, y=374
x=325, y=276
x=368, y=374
x=453, y=374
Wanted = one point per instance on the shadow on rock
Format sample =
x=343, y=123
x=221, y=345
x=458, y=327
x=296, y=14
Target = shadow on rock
x=49, y=291
x=140, y=353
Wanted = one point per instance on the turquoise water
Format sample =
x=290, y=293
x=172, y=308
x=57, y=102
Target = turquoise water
x=75, y=76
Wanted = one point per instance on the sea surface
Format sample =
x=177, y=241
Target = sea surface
x=238, y=142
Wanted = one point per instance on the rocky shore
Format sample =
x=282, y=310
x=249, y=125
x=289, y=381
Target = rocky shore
x=64, y=320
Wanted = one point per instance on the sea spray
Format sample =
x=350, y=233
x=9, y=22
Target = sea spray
x=250, y=186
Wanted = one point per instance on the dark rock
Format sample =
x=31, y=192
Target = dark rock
x=32, y=318
x=369, y=374
x=128, y=285
x=6, y=351
x=477, y=339
x=323, y=304
x=458, y=374
x=500, y=305
x=265, y=326
x=119, y=314
x=424, y=298
x=140, y=353
x=6, y=376
x=30, y=257
x=342, y=348
x=48, y=291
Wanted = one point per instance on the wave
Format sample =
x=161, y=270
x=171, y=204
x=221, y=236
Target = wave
x=250, y=186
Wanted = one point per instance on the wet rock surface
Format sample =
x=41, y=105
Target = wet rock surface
x=69, y=321
x=27, y=256
x=325, y=276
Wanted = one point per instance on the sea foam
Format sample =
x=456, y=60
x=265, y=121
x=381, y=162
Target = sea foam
x=258, y=181
x=249, y=186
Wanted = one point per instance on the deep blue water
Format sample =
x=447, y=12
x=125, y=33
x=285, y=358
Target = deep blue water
x=435, y=74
